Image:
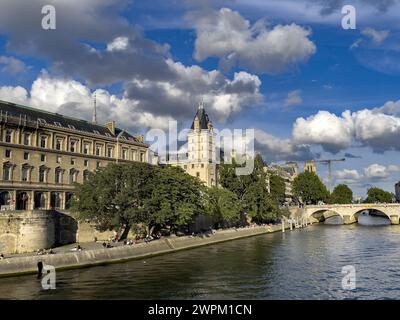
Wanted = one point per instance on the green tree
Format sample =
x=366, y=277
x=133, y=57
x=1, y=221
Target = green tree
x=126, y=195
x=378, y=195
x=342, y=194
x=175, y=199
x=310, y=188
x=223, y=205
x=278, y=187
x=251, y=190
x=114, y=196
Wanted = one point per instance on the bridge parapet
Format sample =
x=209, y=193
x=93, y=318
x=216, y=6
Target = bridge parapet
x=349, y=212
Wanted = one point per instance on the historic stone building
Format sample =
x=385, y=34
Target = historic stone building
x=200, y=160
x=44, y=153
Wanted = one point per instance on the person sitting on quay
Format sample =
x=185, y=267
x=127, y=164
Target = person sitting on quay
x=2, y=256
x=77, y=248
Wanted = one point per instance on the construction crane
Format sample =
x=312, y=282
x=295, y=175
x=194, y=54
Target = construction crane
x=329, y=163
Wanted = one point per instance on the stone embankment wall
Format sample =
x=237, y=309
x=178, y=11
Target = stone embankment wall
x=27, y=231
x=68, y=260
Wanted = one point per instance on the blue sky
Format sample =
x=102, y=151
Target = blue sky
x=285, y=68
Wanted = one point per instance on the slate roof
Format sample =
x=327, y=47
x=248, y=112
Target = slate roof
x=55, y=119
x=203, y=117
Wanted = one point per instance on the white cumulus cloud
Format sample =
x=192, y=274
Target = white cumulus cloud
x=227, y=35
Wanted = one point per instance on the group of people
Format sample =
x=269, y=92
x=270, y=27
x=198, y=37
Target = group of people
x=41, y=252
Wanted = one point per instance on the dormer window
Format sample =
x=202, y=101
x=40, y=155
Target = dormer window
x=41, y=121
x=108, y=135
x=71, y=127
x=58, y=124
x=96, y=131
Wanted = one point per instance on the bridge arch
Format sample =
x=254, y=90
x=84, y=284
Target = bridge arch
x=323, y=214
x=350, y=212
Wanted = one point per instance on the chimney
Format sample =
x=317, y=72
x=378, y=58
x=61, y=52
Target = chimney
x=111, y=126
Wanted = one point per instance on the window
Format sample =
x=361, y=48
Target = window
x=85, y=175
x=8, y=135
x=58, y=175
x=98, y=164
x=98, y=150
x=192, y=166
x=25, y=174
x=142, y=157
x=110, y=152
x=7, y=170
x=134, y=155
x=26, y=155
x=185, y=166
x=43, y=140
x=58, y=159
x=96, y=132
x=41, y=121
x=73, y=161
x=202, y=165
x=72, y=176
x=124, y=154
x=8, y=153
x=42, y=174
x=86, y=163
x=27, y=138
x=57, y=124
x=72, y=146
x=71, y=126
x=59, y=142
x=42, y=157
x=86, y=147
x=198, y=174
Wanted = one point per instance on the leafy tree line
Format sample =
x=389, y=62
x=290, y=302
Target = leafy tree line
x=151, y=198
x=311, y=190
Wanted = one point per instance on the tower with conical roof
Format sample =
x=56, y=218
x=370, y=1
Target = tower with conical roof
x=201, y=160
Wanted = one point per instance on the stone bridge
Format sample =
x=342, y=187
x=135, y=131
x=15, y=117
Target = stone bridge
x=348, y=212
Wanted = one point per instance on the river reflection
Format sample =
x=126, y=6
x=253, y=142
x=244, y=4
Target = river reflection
x=303, y=264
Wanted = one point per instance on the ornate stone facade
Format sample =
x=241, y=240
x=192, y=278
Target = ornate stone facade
x=44, y=153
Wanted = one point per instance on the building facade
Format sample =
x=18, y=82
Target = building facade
x=288, y=172
x=43, y=154
x=200, y=160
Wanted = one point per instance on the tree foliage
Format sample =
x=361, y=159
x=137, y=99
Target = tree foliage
x=251, y=190
x=278, y=187
x=223, y=205
x=378, y=195
x=138, y=193
x=310, y=188
x=342, y=194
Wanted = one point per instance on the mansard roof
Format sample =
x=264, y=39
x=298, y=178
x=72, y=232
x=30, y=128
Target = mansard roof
x=203, y=117
x=8, y=109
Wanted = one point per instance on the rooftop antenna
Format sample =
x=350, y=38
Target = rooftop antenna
x=94, y=120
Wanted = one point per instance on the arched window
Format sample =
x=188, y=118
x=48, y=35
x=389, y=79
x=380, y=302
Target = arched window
x=58, y=175
x=42, y=174
x=85, y=175
x=25, y=173
x=7, y=171
x=73, y=175
x=9, y=135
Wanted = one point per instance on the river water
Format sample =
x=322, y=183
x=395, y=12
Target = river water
x=303, y=264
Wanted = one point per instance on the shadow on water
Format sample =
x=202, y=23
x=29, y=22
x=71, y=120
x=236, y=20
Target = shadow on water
x=365, y=218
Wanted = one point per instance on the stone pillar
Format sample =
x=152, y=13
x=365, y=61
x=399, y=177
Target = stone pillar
x=349, y=219
x=394, y=219
x=31, y=203
x=13, y=202
x=48, y=200
x=63, y=196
